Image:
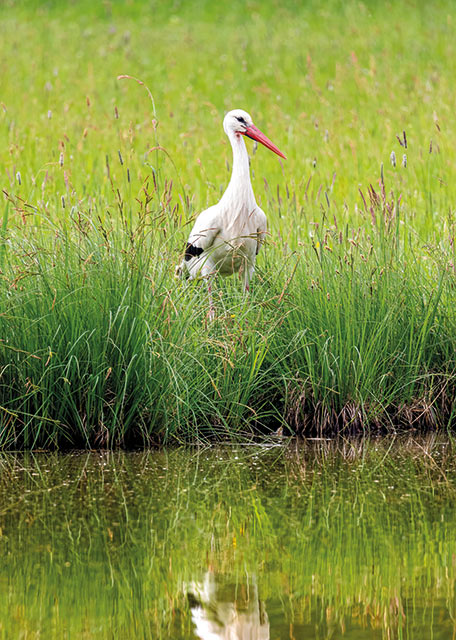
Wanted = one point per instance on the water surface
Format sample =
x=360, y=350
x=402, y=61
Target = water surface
x=253, y=543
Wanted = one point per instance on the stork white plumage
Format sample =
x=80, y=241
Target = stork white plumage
x=226, y=237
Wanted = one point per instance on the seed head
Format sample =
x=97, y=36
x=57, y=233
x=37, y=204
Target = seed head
x=18, y=177
x=404, y=160
x=393, y=158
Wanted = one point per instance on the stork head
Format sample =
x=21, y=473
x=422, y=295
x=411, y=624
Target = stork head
x=239, y=122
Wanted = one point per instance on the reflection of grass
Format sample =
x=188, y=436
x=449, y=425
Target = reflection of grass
x=342, y=538
x=351, y=321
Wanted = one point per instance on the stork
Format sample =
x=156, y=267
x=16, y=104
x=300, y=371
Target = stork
x=226, y=237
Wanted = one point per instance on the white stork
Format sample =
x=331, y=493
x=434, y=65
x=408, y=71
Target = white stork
x=227, y=237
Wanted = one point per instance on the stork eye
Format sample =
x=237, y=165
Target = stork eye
x=240, y=119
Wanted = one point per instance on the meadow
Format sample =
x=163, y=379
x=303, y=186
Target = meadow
x=111, y=142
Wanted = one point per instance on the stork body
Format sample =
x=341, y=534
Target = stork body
x=226, y=237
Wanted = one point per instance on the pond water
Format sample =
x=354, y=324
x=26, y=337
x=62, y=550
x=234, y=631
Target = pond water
x=312, y=541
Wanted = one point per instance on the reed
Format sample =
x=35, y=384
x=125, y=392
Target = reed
x=104, y=347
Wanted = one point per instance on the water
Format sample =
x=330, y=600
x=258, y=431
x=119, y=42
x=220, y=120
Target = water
x=354, y=541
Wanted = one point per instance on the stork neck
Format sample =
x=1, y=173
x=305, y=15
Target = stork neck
x=240, y=184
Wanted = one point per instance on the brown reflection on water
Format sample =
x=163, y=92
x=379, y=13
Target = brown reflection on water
x=223, y=610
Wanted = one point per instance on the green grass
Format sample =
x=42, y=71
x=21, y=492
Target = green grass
x=350, y=324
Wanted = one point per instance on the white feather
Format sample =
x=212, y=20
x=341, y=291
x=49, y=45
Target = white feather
x=231, y=232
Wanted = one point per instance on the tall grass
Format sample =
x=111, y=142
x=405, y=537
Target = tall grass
x=103, y=346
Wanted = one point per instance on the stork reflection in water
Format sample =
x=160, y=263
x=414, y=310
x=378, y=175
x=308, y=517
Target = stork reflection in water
x=224, y=611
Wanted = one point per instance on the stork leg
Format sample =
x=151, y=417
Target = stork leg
x=248, y=274
x=211, y=314
x=207, y=272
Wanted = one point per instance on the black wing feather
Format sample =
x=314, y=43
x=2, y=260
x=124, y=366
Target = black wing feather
x=191, y=251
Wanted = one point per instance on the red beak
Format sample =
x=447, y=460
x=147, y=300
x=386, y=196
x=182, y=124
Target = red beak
x=255, y=134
